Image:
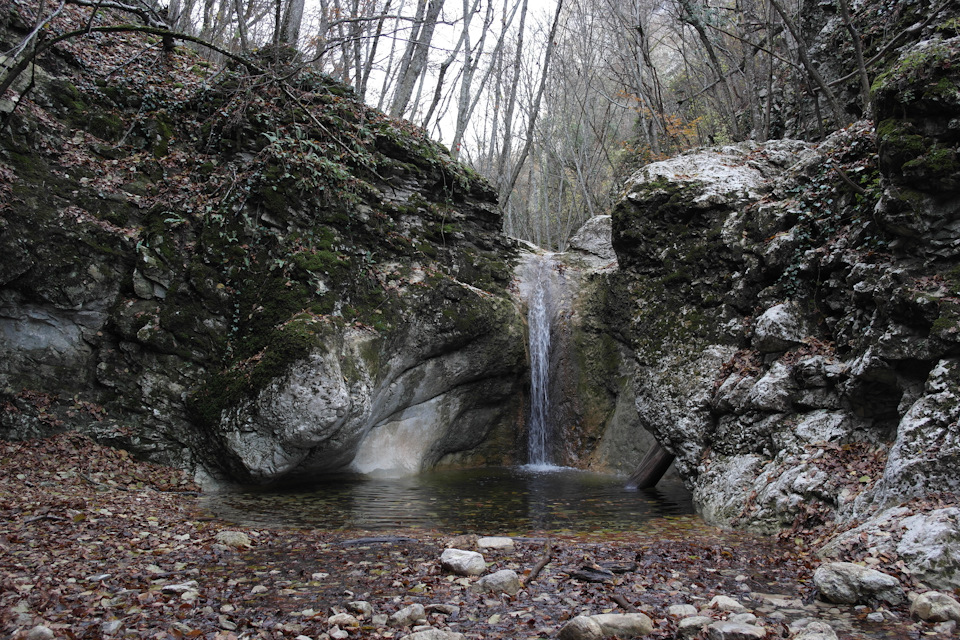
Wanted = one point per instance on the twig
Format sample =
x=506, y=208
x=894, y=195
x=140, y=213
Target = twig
x=624, y=603
x=544, y=561
x=850, y=183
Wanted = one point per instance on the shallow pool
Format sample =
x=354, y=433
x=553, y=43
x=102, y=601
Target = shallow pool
x=517, y=501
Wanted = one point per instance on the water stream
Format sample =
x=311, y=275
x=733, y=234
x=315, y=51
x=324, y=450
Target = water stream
x=538, y=321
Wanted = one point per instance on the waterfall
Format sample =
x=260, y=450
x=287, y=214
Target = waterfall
x=538, y=322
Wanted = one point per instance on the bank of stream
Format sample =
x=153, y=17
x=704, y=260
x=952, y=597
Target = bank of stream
x=94, y=544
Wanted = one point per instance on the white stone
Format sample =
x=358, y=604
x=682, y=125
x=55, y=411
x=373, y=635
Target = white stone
x=344, y=620
x=690, y=627
x=624, y=625
x=361, y=607
x=235, y=539
x=780, y=327
x=435, y=634
x=409, y=616
x=503, y=581
x=726, y=603
x=499, y=543
x=462, y=563
x=40, y=632
x=681, y=610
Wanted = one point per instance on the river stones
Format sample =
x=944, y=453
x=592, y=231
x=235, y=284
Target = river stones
x=581, y=628
x=497, y=543
x=462, y=563
x=624, y=625
x=690, y=628
x=409, y=616
x=434, y=634
x=504, y=581
x=816, y=630
x=726, y=603
x=934, y=606
x=681, y=610
x=344, y=620
x=726, y=630
x=848, y=583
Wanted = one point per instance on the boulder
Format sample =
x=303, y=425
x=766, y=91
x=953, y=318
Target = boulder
x=848, y=583
x=462, y=563
x=934, y=606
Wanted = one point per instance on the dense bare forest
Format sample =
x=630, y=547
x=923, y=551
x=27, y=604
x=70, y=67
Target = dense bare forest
x=556, y=101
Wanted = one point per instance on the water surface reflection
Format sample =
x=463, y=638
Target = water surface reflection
x=491, y=500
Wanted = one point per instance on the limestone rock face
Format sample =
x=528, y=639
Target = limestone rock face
x=797, y=377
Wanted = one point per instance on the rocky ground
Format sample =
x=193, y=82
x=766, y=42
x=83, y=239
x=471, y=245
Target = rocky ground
x=96, y=544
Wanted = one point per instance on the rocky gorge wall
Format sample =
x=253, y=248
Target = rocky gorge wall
x=793, y=312
x=257, y=277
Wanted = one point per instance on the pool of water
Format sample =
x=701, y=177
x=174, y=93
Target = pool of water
x=493, y=500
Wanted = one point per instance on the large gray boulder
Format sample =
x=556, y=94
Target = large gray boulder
x=848, y=583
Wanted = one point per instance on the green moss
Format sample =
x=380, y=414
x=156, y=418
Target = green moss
x=106, y=126
x=934, y=163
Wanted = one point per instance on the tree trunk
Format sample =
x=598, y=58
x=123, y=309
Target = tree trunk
x=651, y=468
x=535, y=109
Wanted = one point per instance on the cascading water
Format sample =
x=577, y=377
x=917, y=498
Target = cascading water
x=538, y=322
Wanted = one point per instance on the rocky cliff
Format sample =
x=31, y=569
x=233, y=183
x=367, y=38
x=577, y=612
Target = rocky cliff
x=244, y=271
x=793, y=308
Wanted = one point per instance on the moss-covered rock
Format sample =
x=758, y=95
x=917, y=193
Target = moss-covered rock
x=204, y=239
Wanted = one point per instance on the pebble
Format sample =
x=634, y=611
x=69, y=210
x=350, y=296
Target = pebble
x=344, y=620
x=726, y=603
x=409, y=616
x=690, y=627
x=362, y=607
x=40, y=632
x=235, y=539
x=681, y=610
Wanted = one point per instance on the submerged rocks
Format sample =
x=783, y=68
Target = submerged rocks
x=848, y=583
